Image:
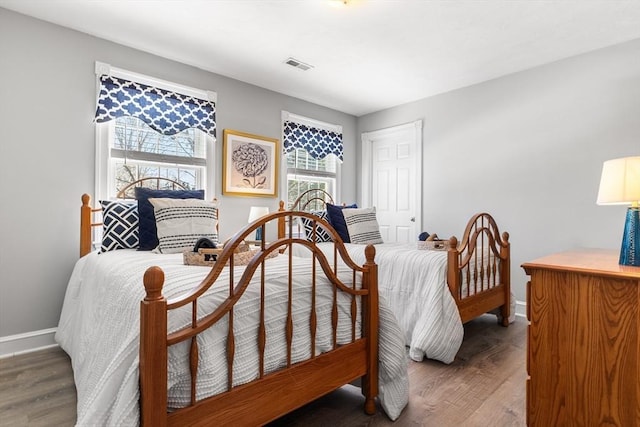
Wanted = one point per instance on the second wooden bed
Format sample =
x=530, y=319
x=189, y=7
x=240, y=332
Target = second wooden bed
x=477, y=267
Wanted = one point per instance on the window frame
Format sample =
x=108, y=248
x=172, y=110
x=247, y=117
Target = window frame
x=104, y=132
x=311, y=173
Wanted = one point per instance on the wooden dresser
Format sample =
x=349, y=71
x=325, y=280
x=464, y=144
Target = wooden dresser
x=583, y=355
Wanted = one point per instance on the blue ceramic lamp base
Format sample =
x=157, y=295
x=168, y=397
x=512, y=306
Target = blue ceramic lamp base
x=630, y=250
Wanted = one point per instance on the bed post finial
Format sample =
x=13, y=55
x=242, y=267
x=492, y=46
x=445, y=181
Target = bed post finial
x=370, y=254
x=153, y=281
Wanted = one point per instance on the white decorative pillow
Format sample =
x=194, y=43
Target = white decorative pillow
x=181, y=222
x=362, y=225
x=119, y=225
x=322, y=234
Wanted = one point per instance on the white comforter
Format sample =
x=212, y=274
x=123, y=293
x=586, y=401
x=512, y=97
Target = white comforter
x=413, y=282
x=99, y=329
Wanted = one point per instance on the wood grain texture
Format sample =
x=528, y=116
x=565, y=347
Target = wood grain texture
x=153, y=354
x=583, y=357
x=37, y=389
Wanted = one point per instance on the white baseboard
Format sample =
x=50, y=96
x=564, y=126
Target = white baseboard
x=521, y=309
x=14, y=345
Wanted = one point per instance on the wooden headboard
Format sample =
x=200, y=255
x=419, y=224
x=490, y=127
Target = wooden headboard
x=88, y=213
x=156, y=183
x=313, y=199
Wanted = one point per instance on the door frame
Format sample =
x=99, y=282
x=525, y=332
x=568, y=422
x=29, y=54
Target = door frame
x=367, y=158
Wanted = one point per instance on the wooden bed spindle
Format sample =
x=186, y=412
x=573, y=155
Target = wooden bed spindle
x=289, y=323
x=262, y=332
x=231, y=342
x=334, y=317
x=313, y=320
x=193, y=353
x=354, y=308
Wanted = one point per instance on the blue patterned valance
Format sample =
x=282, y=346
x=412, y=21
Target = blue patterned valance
x=164, y=111
x=319, y=143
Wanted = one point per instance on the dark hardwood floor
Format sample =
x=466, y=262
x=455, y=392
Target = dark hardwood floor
x=484, y=386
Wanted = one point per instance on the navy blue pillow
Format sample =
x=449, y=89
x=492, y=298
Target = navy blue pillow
x=147, y=231
x=423, y=236
x=336, y=219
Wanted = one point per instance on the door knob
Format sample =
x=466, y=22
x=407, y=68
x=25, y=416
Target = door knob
x=413, y=219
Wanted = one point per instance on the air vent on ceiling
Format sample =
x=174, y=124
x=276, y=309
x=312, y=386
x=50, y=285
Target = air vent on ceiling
x=298, y=64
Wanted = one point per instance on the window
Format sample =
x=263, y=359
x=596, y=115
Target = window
x=313, y=152
x=306, y=173
x=137, y=151
x=147, y=128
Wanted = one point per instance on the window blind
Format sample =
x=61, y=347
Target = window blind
x=318, y=142
x=165, y=111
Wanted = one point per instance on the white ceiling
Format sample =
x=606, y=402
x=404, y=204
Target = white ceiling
x=367, y=55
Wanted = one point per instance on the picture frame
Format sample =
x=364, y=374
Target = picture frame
x=249, y=165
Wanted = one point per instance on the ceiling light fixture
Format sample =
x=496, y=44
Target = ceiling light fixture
x=339, y=3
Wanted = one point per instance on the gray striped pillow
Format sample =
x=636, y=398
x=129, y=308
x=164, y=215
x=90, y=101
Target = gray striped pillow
x=362, y=225
x=181, y=222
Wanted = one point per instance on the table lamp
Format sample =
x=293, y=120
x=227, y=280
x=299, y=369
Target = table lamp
x=255, y=213
x=620, y=185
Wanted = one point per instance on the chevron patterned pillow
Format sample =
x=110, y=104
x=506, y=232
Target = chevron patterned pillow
x=119, y=225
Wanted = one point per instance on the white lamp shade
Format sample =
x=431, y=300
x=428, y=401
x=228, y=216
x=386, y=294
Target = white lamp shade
x=620, y=182
x=257, y=212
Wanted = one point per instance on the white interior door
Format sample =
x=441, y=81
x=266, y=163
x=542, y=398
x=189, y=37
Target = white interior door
x=392, y=180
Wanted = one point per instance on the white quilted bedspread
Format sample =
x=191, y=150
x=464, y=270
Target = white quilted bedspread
x=99, y=329
x=414, y=284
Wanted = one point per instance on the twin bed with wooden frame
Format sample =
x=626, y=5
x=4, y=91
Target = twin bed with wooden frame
x=477, y=276
x=340, y=330
x=476, y=271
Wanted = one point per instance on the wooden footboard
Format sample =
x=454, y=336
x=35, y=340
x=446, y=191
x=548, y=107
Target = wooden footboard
x=478, y=271
x=272, y=394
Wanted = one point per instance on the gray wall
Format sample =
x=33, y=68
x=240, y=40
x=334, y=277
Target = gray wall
x=528, y=148
x=47, y=143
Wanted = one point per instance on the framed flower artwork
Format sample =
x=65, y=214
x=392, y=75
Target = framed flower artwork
x=249, y=165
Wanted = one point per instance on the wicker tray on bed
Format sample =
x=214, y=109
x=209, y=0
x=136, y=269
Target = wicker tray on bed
x=208, y=256
x=434, y=245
